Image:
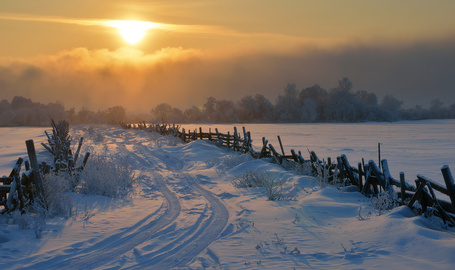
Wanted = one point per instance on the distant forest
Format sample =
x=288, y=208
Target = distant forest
x=309, y=105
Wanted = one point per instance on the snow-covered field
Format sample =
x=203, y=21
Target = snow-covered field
x=412, y=147
x=186, y=214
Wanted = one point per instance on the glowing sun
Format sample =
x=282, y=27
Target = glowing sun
x=132, y=31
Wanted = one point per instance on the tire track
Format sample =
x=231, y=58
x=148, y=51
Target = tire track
x=186, y=251
x=114, y=246
x=188, y=242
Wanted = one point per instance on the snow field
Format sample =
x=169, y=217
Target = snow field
x=186, y=214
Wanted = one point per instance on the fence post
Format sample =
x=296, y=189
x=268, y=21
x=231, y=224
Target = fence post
x=36, y=173
x=281, y=145
x=264, y=148
x=228, y=140
x=361, y=174
x=448, y=179
x=403, y=187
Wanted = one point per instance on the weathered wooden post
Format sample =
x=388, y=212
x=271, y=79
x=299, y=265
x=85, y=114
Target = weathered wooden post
x=218, y=136
x=403, y=187
x=281, y=145
x=264, y=147
x=275, y=154
x=340, y=168
x=379, y=155
x=236, y=139
x=294, y=156
x=78, y=149
x=228, y=140
x=183, y=137
x=361, y=174
x=448, y=179
x=36, y=173
x=200, y=133
x=387, y=175
x=348, y=169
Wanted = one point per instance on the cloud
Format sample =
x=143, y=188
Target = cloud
x=416, y=73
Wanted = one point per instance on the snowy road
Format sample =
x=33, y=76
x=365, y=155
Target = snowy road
x=185, y=243
x=182, y=232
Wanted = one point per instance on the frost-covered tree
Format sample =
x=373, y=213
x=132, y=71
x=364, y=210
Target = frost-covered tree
x=193, y=115
x=115, y=115
x=392, y=107
x=161, y=112
x=288, y=107
x=319, y=96
x=255, y=109
x=342, y=105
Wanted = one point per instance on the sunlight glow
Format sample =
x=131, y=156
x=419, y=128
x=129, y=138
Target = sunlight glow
x=132, y=31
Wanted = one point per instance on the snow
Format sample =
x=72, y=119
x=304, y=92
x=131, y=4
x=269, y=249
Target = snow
x=412, y=147
x=186, y=214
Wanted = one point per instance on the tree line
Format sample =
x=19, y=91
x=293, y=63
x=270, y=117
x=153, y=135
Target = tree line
x=308, y=105
x=22, y=111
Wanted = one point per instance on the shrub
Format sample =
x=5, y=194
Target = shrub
x=384, y=201
x=108, y=176
x=228, y=161
x=56, y=188
x=274, y=187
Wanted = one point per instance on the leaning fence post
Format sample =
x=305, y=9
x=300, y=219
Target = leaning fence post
x=448, y=178
x=281, y=145
x=36, y=173
x=403, y=187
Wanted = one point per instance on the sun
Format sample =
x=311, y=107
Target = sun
x=132, y=31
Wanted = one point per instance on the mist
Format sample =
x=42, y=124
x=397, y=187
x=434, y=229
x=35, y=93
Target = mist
x=98, y=79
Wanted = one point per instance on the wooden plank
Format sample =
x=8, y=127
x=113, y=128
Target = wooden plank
x=435, y=185
x=6, y=180
x=5, y=188
x=420, y=187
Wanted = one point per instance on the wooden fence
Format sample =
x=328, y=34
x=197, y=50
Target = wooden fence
x=19, y=190
x=371, y=180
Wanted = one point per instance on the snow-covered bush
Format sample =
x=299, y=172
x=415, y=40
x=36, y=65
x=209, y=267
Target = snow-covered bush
x=111, y=176
x=303, y=168
x=248, y=179
x=167, y=140
x=94, y=134
x=56, y=188
x=274, y=187
x=228, y=161
x=384, y=201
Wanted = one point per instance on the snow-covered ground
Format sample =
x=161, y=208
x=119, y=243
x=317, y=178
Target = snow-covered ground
x=412, y=147
x=186, y=214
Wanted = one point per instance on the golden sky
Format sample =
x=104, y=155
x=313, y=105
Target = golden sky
x=57, y=50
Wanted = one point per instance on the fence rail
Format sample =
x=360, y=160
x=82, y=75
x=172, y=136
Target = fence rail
x=371, y=179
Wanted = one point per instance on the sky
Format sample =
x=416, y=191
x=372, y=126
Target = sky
x=59, y=51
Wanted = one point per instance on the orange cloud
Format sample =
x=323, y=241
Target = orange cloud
x=99, y=79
